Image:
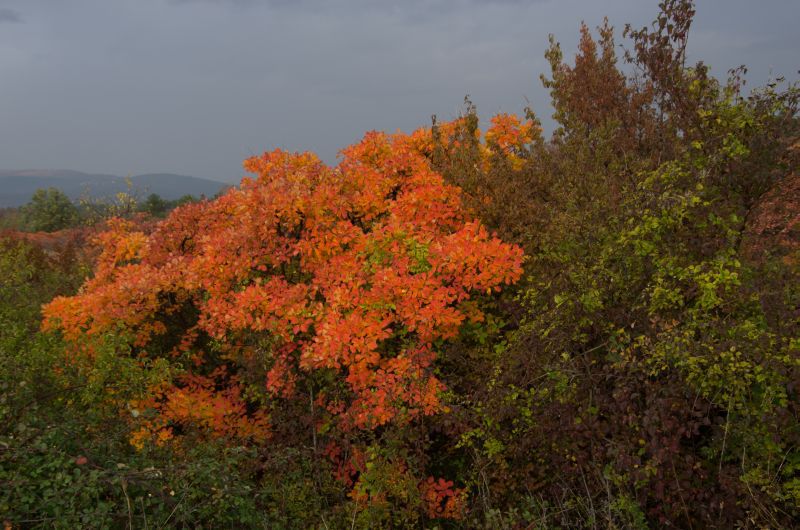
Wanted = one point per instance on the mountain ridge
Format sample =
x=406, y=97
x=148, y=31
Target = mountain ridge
x=18, y=185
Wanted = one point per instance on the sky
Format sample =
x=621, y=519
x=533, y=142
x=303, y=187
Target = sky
x=196, y=86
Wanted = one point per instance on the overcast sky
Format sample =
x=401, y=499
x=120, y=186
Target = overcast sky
x=195, y=86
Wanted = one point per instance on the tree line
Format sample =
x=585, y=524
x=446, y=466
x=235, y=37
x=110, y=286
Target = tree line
x=51, y=210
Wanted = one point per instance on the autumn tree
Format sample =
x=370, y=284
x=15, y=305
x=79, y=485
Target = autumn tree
x=309, y=294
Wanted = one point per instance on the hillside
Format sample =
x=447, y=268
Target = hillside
x=17, y=186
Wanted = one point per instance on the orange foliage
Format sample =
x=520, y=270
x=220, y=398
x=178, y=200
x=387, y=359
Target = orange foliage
x=55, y=242
x=508, y=136
x=197, y=404
x=442, y=500
x=360, y=269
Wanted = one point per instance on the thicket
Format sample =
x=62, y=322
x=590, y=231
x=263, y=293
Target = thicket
x=365, y=345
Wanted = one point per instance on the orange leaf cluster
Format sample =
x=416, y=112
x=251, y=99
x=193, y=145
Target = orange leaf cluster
x=197, y=404
x=442, y=500
x=508, y=136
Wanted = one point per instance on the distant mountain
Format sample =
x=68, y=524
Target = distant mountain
x=17, y=186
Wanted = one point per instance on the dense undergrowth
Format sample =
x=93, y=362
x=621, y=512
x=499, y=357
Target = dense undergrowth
x=348, y=348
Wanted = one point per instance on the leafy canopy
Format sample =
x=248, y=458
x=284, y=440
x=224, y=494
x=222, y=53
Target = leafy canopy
x=49, y=210
x=357, y=272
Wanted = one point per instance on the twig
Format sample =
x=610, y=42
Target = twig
x=176, y=506
x=589, y=496
x=725, y=436
x=124, y=484
x=355, y=511
x=144, y=513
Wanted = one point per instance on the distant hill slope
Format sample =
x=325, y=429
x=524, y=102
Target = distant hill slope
x=17, y=186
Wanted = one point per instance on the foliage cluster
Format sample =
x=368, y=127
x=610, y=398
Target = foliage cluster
x=651, y=373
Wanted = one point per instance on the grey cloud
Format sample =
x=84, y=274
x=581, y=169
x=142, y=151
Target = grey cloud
x=195, y=86
x=353, y=5
x=237, y=2
x=10, y=16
